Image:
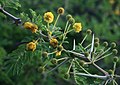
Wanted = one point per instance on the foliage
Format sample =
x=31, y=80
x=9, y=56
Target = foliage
x=52, y=44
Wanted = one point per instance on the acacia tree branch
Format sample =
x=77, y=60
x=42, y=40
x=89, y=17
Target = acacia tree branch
x=16, y=20
x=94, y=76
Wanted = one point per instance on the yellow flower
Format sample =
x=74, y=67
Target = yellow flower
x=31, y=46
x=34, y=28
x=49, y=17
x=31, y=26
x=77, y=27
x=27, y=25
x=54, y=42
x=58, y=53
x=60, y=11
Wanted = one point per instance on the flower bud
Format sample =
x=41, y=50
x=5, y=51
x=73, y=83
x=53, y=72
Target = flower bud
x=105, y=44
x=86, y=54
x=60, y=48
x=67, y=76
x=68, y=16
x=71, y=20
x=115, y=51
x=89, y=32
x=110, y=71
x=82, y=63
x=60, y=11
x=45, y=54
x=41, y=69
x=96, y=44
x=116, y=59
x=96, y=39
x=54, y=61
x=113, y=44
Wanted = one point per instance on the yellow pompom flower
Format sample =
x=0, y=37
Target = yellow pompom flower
x=58, y=53
x=77, y=27
x=31, y=46
x=27, y=25
x=48, y=17
x=31, y=26
x=54, y=42
x=34, y=28
x=60, y=10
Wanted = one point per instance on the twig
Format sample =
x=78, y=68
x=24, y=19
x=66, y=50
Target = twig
x=94, y=76
x=58, y=65
x=100, y=69
x=16, y=20
x=82, y=68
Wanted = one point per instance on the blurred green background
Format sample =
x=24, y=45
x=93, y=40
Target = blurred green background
x=101, y=16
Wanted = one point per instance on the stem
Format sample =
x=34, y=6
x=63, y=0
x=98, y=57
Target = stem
x=103, y=57
x=52, y=52
x=48, y=29
x=106, y=82
x=65, y=33
x=70, y=66
x=100, y=69
x=94, y=76
x=114, y=67
x=115, y=82
x=87, y=46
x=42, y=34
x=59, y=65
x=66, y=26
x=82, y=68
x=103, y=52
x=56, y=22
x=17, y=20
x=83, y=39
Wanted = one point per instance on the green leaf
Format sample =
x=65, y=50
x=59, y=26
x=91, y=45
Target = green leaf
x=10, y=3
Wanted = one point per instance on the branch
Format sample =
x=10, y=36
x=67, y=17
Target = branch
x=100, y=69
x=16, y=20
x=94, y=76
